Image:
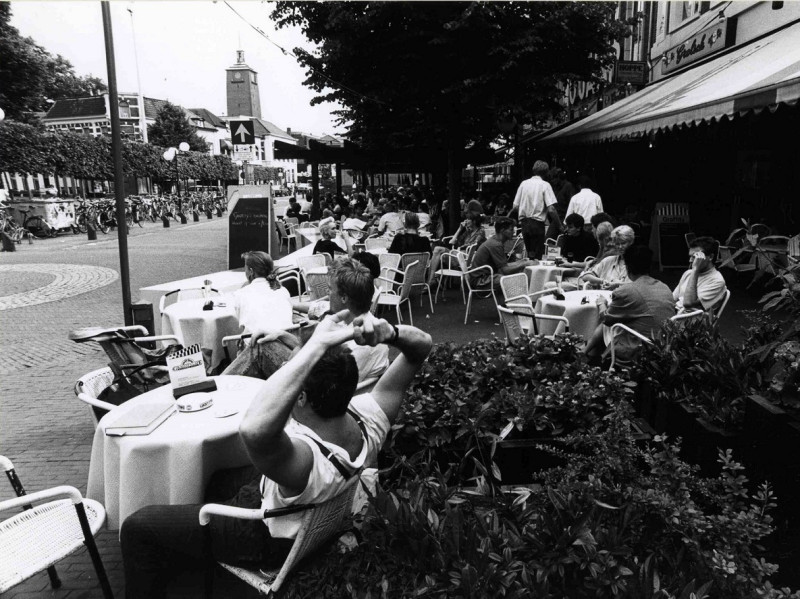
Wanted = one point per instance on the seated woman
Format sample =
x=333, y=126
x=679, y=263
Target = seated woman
x=326, y=245
x=262, y=302
x=611, y=271
x=603, y=236
x=410, y=242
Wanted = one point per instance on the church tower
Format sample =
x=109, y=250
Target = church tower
x=241, y=83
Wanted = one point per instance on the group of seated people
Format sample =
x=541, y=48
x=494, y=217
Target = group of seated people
x=328, y=400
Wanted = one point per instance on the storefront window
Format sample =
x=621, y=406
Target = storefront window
x=683, y=12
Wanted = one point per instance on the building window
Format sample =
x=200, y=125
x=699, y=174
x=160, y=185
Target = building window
x=134, y=112
x=253, y=78
x=683, y=12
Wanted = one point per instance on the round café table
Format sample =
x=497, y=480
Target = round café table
x=191, y=324
x=540, y=274
x=173, y=464
x=582, y=317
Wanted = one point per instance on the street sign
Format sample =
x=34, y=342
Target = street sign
x=244, y=152
x=243, y=132
x=629, y=71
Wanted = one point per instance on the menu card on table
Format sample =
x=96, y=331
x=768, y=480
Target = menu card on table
x=142, y=420
x=187, y=371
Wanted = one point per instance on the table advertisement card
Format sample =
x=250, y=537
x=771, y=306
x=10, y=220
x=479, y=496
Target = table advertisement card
x=186, y=367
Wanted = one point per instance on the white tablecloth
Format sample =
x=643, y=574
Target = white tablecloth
x=173, y=464
x=192, y=324
x=539, y=275
x=583, y=318
x=225, y=281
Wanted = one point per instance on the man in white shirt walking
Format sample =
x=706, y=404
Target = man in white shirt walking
x=586, y=202
x=534, y=202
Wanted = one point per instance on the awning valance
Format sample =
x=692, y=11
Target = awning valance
x=760, y=75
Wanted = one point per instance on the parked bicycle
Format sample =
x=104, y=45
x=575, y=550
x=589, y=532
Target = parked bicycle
x=11, y=228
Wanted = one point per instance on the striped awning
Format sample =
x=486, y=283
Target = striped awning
x=762, y=74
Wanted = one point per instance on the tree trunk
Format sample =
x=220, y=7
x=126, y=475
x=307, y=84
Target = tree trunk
x=519, y=157
x=453, y=187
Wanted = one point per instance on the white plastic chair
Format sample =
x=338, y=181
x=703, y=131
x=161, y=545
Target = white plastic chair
x=388, y=260
x=446, y=270
x=619, y=328
x=38, y=537
x=515, y=317
x=320, y=523
x=287, y=236
x=485, y=292
x=391, y=297
x=371, y=243
x=419, y=274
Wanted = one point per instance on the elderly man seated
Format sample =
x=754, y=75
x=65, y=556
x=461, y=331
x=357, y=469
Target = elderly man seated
x=643, y=304
x=701, y=287
x=306, y=435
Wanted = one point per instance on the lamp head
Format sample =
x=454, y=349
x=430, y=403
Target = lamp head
x=184, y=147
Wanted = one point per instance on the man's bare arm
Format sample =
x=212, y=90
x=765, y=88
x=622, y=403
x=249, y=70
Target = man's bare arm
x=414, y=346
x=272, y=452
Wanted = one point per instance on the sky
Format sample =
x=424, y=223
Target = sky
x=183, y=49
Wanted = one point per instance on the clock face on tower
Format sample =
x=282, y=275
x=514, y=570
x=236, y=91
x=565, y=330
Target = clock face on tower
x=237, y=76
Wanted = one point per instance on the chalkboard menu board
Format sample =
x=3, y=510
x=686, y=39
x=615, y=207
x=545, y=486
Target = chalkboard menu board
x=251, y=222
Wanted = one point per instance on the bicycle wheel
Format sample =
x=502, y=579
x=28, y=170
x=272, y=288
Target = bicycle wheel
x=37, y=226
x=102, y=222
x=80, y=223
x=129, y=219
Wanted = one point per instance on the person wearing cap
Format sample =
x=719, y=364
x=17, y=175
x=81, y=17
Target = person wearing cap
x=534, y=202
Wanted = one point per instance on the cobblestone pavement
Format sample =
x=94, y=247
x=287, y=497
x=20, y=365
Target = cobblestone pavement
x=45, y=430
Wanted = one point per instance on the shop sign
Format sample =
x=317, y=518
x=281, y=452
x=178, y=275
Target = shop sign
x=706, y=42
x=244, y=153
x=629, y=71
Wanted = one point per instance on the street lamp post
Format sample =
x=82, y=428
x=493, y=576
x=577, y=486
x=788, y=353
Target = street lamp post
x=172, y=154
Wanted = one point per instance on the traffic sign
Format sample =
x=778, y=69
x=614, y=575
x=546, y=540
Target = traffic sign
x=243, y=132
x=244, y=152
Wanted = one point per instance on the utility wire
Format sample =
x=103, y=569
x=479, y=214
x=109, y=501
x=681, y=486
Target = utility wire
x=286, y=52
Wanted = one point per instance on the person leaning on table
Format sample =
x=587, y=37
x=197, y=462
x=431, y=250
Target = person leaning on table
x=701, y=287
x=492, y=252
x=305, y=408
x=611, y=271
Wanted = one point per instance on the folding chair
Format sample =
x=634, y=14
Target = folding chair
x=320, y=523
x=392, y=298
x=146, y=367
x=88, y=389
x=419, y=274
x=38, y=537
x=466, y=273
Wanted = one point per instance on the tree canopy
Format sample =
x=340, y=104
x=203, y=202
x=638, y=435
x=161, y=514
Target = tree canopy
x=442, y=74
x=30, y=75
x=171, y=127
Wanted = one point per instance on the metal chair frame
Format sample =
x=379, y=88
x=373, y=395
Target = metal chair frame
x=90, y=386
x=462, y=262
x=40, y=536
x=391, y=297
x=320, y=523
x=286, y=235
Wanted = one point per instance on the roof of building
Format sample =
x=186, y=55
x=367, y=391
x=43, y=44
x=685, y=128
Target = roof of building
x=209, y=117
x=152, y=106
x=330, y=140
x=94, y=106
x=271, y=129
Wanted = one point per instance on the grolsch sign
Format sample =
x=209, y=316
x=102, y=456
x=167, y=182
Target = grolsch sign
x=706, y=42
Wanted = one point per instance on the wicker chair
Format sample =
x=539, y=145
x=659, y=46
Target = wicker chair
x=88, y=389
x=38, y=537
x=318, y=285
x=388, y=260
x=319, y=524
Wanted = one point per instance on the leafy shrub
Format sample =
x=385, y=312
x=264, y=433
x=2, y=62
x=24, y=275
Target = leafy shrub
x=466, y=394
x=619, y=520
x=691, y=362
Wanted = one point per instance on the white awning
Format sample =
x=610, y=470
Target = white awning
x=763, y=74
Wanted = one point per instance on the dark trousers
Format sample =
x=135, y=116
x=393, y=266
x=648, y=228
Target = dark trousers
x=533, y=235
x=159, y=541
